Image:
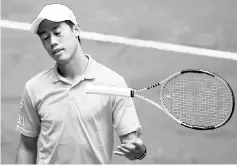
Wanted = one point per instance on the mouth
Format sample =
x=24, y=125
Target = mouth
x=57, y=51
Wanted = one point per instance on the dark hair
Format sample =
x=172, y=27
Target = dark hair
x=71, y=24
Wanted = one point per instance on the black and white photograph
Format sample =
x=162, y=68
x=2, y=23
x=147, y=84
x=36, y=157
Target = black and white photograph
x=118, y=82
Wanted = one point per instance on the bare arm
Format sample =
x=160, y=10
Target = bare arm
x=27, y=150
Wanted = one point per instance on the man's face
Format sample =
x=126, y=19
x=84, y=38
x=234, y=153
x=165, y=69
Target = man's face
x=59, y=40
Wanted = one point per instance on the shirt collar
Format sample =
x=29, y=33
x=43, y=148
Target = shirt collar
x=89, y=73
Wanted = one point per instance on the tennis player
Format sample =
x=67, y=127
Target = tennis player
x=58, y=122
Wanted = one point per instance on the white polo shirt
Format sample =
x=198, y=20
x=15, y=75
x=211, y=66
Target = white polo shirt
x=74, y=127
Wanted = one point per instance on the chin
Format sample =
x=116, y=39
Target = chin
x=63, y=59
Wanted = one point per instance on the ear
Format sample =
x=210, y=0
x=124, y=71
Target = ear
x=77, y=30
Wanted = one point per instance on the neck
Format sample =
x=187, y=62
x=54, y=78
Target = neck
x=76, y=66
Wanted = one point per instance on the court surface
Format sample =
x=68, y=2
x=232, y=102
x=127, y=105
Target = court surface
x=207, y=24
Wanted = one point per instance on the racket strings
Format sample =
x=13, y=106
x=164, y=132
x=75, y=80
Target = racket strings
x=197, y=99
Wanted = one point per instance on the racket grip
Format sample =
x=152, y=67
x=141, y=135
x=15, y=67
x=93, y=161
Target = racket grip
x=106, y=90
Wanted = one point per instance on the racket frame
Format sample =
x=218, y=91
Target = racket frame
x=134, y=93
x=129, y=92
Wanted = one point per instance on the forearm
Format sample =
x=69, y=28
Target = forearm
x=26, y=156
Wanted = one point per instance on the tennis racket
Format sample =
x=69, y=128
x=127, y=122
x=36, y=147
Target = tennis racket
x=194, y=98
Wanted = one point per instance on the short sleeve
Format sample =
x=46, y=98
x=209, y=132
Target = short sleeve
x=28, y=121
x=125, y=119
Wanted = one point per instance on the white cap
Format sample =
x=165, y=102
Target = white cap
x=53, y=12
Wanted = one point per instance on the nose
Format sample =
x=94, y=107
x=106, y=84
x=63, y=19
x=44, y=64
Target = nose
x=53, y=41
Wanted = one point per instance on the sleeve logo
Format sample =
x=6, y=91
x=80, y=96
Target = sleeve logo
x=20, y=119
x=21, y=104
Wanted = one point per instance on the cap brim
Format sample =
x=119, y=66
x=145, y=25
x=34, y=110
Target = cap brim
x=35, y=24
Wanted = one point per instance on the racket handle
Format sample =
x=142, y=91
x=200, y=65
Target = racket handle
x=106, y=90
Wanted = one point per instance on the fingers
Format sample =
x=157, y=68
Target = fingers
x=122, y=154
x=124, y=149
x=119, y=153
x=129, y=147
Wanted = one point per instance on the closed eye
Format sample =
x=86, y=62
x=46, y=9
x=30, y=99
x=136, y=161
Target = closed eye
x=44, y=37
x=57, y=33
